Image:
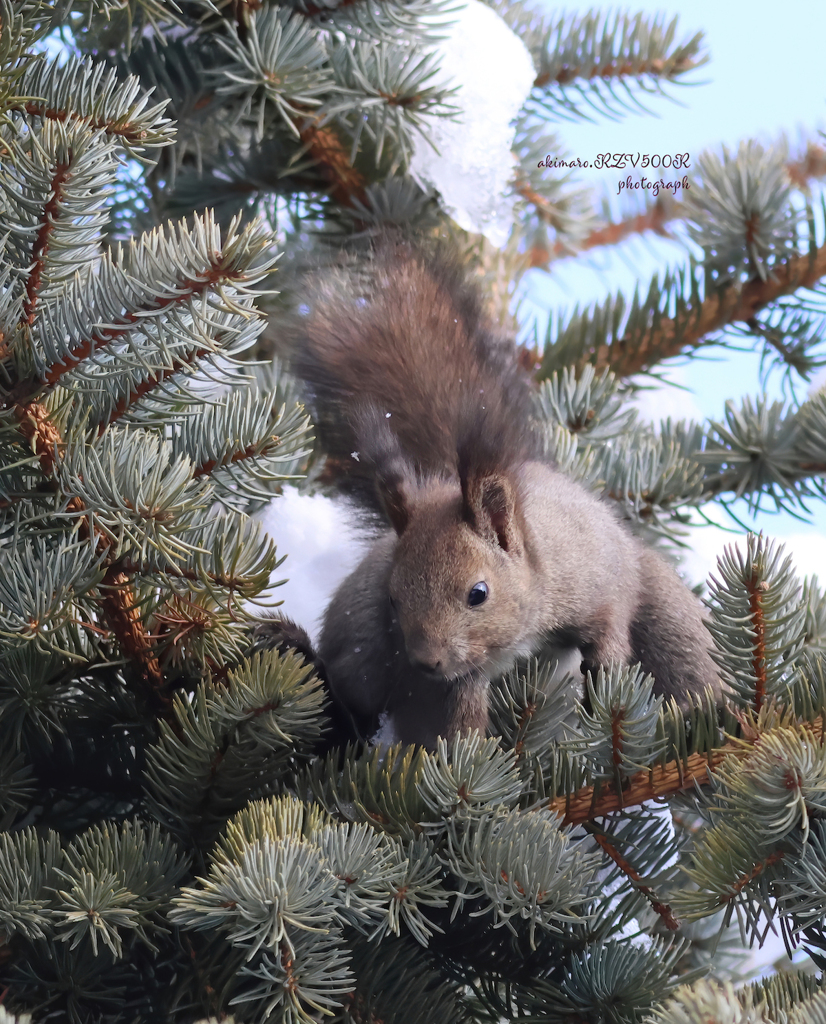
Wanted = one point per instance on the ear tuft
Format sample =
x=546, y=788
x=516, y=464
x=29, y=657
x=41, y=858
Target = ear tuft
x=489, y=505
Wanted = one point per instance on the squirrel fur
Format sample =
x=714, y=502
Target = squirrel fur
x=491, y=552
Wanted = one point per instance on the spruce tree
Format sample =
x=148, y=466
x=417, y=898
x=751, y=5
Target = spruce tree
x=177, y=843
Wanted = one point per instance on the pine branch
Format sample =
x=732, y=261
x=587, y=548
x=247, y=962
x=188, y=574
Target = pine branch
x=760, y=450
x=208, y=467
x=91, y=96
x=339, y=99
x=226, y=743
x=758, y=622
x=129, y=133
x=743, y=217
x=117, y=600
x=656, y=782
x=169, y=291
x=548, y=211
x=116, y=596
x=244, y=550
x=654, y=218
x=758, y=869
x=245, y=442
x=637, y=352
x=601, y=60
x=232, y=583
x=282, y=66
x=218, y=271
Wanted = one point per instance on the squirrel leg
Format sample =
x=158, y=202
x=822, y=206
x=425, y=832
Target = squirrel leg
x=424, y=708
x=611, y=646
x=282, y=634
x=467, y=707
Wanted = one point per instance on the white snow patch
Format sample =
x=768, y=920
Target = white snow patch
x=322, y=545
x=386, y=735
x=474, y=165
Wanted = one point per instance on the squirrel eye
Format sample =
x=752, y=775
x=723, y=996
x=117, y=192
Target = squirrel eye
x=478, y=594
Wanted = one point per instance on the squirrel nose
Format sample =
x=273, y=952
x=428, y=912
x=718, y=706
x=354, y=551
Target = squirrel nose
x=429, y=667
x=427, y=658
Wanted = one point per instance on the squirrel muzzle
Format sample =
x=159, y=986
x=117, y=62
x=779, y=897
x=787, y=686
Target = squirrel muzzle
x=435, y=658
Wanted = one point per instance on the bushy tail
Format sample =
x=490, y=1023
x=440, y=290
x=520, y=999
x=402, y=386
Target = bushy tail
x=406, y=373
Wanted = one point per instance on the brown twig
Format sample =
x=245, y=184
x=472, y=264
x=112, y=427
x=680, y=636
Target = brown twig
x=749, y=876
x=528, y=712
x=756, y=591
x=661, y=780
x=121, y=129
x=663, y=909
x=230, y=582
x=148, y=385
x=246, y=453
x=654, y=67
x=41, y=243
x=653, y=219
x=123, y=617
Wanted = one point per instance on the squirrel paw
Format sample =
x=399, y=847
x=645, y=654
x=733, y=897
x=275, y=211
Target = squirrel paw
x=282, y=634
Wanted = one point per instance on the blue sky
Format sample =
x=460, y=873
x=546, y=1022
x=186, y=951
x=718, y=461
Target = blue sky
x=765, y=76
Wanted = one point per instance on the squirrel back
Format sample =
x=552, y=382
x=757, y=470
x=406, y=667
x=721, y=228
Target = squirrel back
x=406, y=374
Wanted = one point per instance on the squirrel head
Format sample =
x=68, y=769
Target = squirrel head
x=461, y=583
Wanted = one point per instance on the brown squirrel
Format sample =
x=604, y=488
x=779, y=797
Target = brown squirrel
x=492, y=552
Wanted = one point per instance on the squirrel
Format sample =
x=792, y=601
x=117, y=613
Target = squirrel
x=489, y=551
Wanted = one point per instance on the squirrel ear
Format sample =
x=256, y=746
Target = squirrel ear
x=489, y=506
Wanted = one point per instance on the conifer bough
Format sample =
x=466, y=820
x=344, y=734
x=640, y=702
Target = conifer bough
x=173, y=847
